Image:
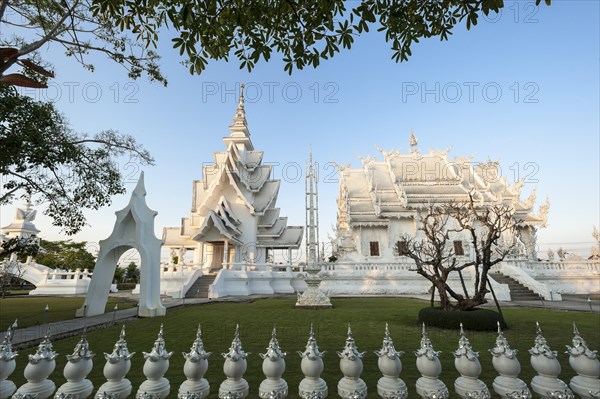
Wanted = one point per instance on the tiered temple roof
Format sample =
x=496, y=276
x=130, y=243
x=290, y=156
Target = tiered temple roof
x=402, y=183
x=235, y=186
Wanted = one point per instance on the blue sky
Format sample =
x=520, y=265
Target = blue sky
x=521, y=88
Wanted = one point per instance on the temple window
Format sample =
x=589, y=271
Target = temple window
x=458, y=248
x=402, y=247
x=374, y=247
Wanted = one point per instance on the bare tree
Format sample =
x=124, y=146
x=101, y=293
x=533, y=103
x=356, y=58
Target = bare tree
x=435, y=256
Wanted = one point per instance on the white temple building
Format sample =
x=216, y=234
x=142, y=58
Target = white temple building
x=47, y=281
x=379, y=203
x=234, y=222
x=226, y=245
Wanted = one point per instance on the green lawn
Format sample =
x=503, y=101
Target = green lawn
x=368, y=318
x=30, y=310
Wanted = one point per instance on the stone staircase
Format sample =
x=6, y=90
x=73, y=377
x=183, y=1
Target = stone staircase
x=200, y=287
x=518, y=292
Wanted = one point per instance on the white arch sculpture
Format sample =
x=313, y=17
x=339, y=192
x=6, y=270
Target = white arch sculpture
x=134, y=228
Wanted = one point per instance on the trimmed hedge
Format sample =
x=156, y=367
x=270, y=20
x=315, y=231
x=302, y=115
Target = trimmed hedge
x=476, y=319
x=125, y=286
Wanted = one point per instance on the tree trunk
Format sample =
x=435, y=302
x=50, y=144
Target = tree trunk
x=444, y=299
x=432, y=299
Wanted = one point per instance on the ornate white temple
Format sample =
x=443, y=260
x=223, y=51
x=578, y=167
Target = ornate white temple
x=234, y=219
x=379, y=203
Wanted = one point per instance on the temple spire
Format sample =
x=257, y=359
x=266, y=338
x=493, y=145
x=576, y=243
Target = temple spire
x=412, y=140
x=240, y=125
x=312, y=212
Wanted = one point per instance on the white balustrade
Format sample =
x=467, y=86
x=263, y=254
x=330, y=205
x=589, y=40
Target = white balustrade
x=546, y=384
x=79, y=364
x=351, y=386
x=196, y=364
x=390, y=385
x=312, y=385
x=544, y=362
x=116, y=368
x=273, y=387
x=429, y=386
x=7, y=364
x=585, y=363
x=466, y=361
x=41, y=365
x=156, y=365
x=505, y=362
x=235, y=386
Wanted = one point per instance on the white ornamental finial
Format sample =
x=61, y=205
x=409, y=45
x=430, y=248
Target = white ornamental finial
x=120, y=351
x=312, y=385
x=239, y=119
x=7, y=364
x=541, y=346
x=388, y=349
x=44, y=350
x=543, y=360
x=78, y=366
x=585, y=363
x=413, y=140
x=464, y=346
x=312, y=349
x=502, y=347
x=196, y=364
x=234, y=369
x=155, y=367
x=426, y=348
x=390, y=385
x=351, y=386
x=82, y=349
x=466, y=361
x=580, y=346
x=273, y=350
x=350, y=350
x=159, y=350
x=6, y=352
x=429, y=386
x=197, y=351
x=273, y=386
x=236, y=352
x=505, y=362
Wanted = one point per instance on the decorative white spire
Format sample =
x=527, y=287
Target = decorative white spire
x=412, y=140
x=120, y=351
x=159, y=350
x=239, y=128
x=312, y=212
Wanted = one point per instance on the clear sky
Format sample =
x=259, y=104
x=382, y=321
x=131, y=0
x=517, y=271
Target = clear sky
x=521, y=88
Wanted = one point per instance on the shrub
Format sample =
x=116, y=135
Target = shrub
x=475, y=319
x=125, y=286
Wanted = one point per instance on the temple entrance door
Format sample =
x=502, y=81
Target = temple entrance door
x=217, y=256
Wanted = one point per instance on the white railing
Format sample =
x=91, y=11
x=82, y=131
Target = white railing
x=525, y=279
x=593, y=265
x=365, y=267
x=545, y=384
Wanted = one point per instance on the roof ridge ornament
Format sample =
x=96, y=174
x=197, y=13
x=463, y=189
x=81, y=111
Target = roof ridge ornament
x=412, y=140
x=239, y=119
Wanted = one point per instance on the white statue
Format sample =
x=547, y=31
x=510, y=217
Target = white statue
x=561, y=254
x=182, y=251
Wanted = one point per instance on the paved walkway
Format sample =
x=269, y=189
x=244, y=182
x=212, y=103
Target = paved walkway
x=30, y=336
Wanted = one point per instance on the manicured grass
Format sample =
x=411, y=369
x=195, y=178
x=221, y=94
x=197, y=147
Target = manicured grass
x=30, y=310
x=367, y=316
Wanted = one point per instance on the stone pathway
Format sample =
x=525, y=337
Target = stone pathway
x=30, y=336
